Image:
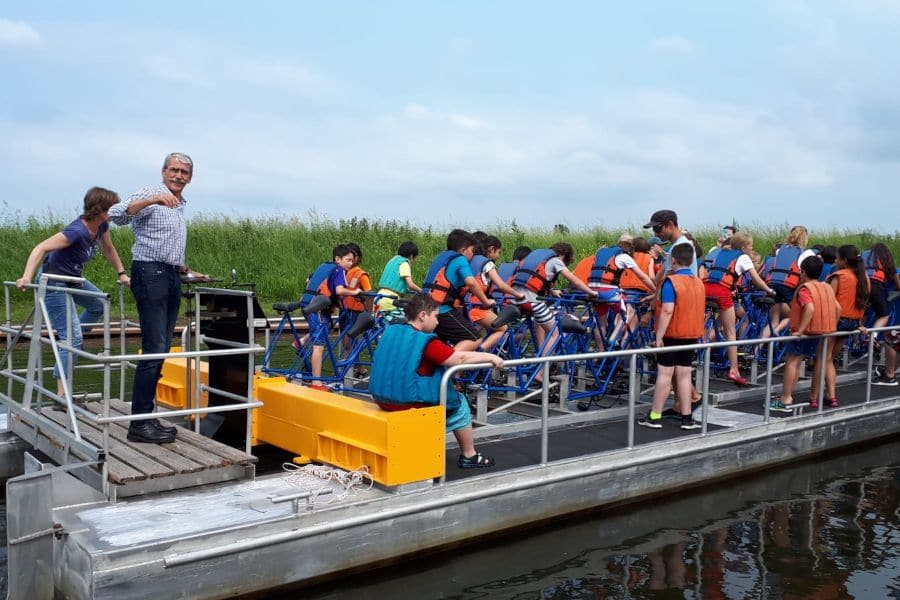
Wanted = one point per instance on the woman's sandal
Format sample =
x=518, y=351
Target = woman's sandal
x=476, y=461
x=833, y=403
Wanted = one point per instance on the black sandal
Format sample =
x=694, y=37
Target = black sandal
x=476, y=461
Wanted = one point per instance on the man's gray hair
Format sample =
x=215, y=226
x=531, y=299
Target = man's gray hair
x=178, y=157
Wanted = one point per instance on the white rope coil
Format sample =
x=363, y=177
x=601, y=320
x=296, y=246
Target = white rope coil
x=310, y=476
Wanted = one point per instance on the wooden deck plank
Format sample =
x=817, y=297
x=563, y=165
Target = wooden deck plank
x=119, y=472
x=181, y=456
x=149, y=467
x=194, y=439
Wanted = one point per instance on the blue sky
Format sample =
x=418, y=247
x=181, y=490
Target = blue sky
x=462, y=113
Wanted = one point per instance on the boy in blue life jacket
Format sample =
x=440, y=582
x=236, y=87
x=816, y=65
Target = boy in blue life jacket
x=330, y=280
x=407, y=369
x=396, y=279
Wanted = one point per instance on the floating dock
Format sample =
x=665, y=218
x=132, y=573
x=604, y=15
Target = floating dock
x=238, y=537
x=91, y=515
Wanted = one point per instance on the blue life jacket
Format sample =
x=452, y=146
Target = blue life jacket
x=870, y=263
x=785, y=270
x=436, y=283
x=710, y=258
x=394, y=377
x=827, y=269
x=390, y=279
x=722, y=268
x=532, y=273
x=477, y=263
x=604, y=265
x=507, y=270
x=319, y=284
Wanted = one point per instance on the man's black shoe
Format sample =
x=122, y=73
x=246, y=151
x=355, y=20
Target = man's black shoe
x=146, y=433
x=167, y=429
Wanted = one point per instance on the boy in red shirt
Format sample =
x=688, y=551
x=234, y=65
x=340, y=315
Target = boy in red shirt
x=407, y=369
x=814, y=310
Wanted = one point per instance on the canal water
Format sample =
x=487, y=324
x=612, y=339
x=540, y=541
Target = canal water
x=826, y=528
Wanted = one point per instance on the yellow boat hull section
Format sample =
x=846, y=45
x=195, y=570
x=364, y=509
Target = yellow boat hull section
x=397, y=447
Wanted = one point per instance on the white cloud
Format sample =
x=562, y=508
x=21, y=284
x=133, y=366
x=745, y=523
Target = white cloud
x=18, y=33
x=672, y=45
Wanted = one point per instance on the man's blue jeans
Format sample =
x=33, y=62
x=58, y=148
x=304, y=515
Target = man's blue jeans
x=157, y=291
x=56, y=309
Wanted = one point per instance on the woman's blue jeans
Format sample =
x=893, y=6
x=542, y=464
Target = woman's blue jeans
x=56, y=302
x=156, y=288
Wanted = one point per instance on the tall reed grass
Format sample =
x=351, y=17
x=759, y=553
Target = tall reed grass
x=278, y=254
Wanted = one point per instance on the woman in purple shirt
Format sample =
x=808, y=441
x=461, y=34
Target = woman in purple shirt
x=68, y=251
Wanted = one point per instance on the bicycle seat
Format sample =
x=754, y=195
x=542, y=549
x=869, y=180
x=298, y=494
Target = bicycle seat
x=764, y=300
x=712, y=304
x=285, y=307
x=364, y=322
x=507, y=315
x=570, y=324
x=317, y=304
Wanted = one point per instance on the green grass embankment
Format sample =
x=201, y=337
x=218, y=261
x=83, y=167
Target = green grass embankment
x=278, y=254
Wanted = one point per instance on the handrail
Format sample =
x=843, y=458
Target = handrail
x=633, y=387
x=33, y=374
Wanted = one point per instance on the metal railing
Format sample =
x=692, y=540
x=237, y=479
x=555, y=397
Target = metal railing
x=41, y=334
x=634, y=390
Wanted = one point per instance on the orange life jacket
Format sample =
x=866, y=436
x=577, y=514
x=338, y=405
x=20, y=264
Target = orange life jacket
x=630, y=281
x=690, y=302
x=824, y=318
x=438, y=286
x=357, y=279
x=583, y=269
x=846, y=293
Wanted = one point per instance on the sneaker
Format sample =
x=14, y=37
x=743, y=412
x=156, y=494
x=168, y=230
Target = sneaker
x=813, y=404
x=476, y=461
x=319, y=386
x=689, y=423
x=779, y=406
x=833, y=403
x=295, y=345
x=651, y=423
x=884, y=380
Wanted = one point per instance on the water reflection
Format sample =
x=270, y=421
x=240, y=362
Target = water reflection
x=823, y=529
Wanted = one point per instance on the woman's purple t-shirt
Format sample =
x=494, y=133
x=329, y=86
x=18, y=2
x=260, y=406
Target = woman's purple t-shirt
x=70, y=261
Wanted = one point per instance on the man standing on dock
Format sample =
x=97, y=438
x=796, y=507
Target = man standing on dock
x=156, y=214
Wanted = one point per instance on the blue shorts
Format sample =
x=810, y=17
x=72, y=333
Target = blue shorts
x=460, y=417
x=783, y=293
x=319, y=327
x=808, y=348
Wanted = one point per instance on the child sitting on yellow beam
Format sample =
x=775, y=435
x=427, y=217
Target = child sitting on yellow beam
x=407, y=369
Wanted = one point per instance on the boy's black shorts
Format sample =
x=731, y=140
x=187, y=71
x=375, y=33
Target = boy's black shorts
x=454, y=327
x=680, y=358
